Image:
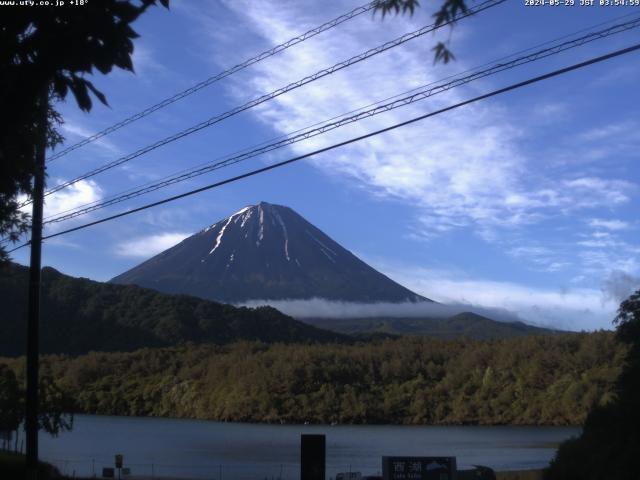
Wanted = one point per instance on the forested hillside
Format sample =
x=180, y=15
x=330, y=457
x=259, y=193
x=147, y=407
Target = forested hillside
x=80, y=315
x=550, y=380
x=466, y=324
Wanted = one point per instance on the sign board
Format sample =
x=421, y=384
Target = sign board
x=108, y=473
x=419, y=468
x=126, y=471
x=118, y=461
x=313, y=454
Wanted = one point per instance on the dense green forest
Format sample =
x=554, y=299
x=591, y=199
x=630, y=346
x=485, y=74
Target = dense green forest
x=550, y=380
x=80, y=315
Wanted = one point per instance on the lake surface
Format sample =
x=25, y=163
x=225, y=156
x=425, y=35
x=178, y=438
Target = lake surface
x=195, y=449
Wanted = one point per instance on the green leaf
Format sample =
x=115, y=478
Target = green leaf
x=97, y=92
x=442, y=54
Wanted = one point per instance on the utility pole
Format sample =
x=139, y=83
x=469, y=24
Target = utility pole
x=33, y=320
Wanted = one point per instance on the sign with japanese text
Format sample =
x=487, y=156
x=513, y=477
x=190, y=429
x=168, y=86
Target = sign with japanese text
x=419, y=468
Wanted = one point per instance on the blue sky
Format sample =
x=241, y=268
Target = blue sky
x=525, y=202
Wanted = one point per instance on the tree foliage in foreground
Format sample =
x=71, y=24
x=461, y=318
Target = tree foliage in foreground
x=610, y=442
x=524, y=381
x=46, y=53
x=56, y=406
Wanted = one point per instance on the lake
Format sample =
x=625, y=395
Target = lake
x=196, y=449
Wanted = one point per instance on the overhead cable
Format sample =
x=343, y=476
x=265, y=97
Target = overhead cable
x=264, y=98
x=500, y=91
x=415, y=96
x=219, y=76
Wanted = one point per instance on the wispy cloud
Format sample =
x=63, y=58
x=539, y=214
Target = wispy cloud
x=602, y=261
x=545, y=259
x=144, y=61
x=612, y=224
x=471, y=169
x=605, y=132
x=148, y=246
x=591, y=192
x=76, y=132
x=465, y=169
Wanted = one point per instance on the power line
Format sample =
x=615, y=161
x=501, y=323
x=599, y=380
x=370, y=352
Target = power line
x=292, y=86
x=417, y=95
x=219, y=76
x=509, y=88
x=379, y=102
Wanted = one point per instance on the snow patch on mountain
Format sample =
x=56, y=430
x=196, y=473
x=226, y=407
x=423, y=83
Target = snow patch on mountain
x=327, y=255
x=242, y=210
x=229, y=220
x=220, y=234
x=261, y=231
x=320, y=243
x=245, y=218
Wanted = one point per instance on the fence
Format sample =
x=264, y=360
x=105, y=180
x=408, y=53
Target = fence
x=92, y=468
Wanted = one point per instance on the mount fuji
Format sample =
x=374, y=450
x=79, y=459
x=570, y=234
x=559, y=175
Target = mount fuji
x=265, y=252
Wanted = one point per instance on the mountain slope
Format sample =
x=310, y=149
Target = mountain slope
x=265, y=251
x=80, y=315
x=466, y=324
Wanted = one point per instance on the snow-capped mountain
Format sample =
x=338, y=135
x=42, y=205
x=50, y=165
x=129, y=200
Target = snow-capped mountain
x=265, y=251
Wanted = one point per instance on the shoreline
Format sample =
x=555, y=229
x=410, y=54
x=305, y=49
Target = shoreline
x=335, y=424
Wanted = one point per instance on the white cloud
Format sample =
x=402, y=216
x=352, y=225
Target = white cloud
x=323, y=308
x=71, y=197
x=616, y=130
x=148, y=246
x=569, y=309
x=594, y=192
x=543, y=258
x=551, y=112
x=603, y=261
x=466, y=169
x=612, y=224
x=63, y=242
x=463, y=169
x=602, y=243
x=77, y=132
x=564, y=308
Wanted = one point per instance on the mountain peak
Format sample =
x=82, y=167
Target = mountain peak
x=265, y=252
